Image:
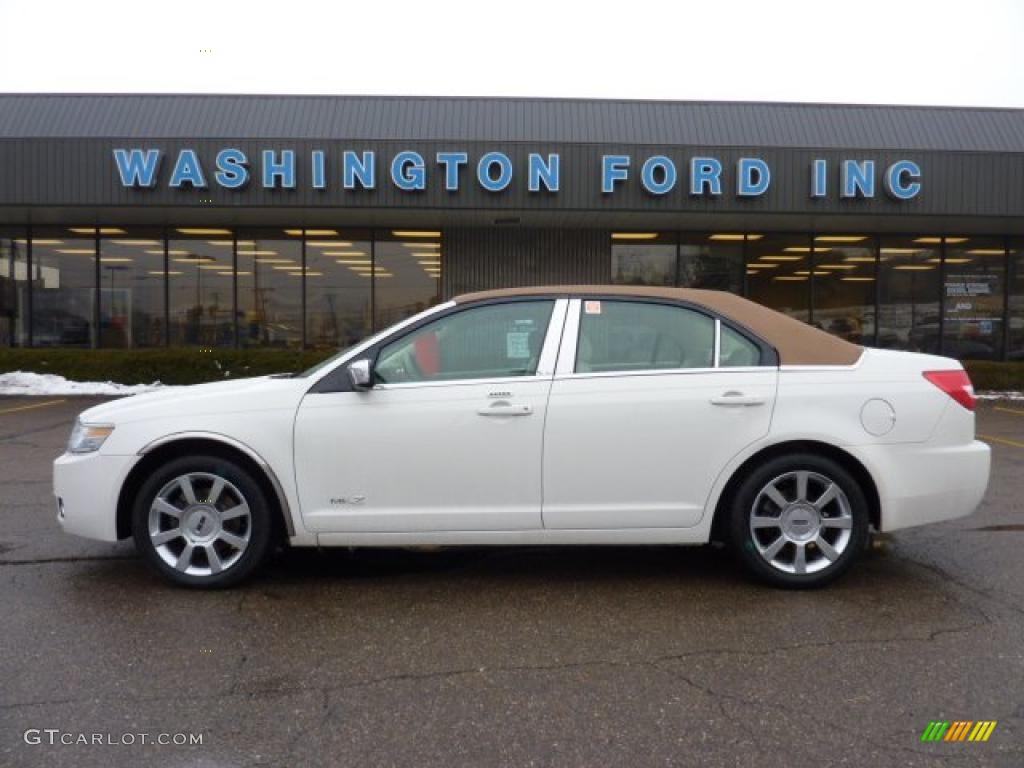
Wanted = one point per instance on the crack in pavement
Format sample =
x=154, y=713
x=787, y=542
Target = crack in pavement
x=69, y=559
x=234, y=691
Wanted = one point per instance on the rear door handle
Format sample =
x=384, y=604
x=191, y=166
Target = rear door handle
x=737, y=399
x=506, y=409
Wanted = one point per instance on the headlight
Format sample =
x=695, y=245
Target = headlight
x=86, y=438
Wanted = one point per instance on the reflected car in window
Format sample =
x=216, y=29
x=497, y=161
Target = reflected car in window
x=553, y=415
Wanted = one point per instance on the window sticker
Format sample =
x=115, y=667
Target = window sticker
x=592, y=307
x=517, y=345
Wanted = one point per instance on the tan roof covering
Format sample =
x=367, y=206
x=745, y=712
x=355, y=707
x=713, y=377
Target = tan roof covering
x=797, y=343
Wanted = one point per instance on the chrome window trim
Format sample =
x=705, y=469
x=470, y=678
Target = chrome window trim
x=666, y=372
x=718, y=343
x=566, y=364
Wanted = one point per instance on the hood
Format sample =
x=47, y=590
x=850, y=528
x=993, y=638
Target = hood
x=214, y=397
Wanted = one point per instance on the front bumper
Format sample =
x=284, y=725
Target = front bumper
x=923, y=483
x=86, y=487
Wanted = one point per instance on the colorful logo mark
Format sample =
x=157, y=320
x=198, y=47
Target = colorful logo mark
x=958, y=730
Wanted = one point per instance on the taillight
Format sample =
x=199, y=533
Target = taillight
x=956, y=384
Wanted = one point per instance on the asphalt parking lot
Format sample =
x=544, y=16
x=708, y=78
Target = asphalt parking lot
x=589, y=657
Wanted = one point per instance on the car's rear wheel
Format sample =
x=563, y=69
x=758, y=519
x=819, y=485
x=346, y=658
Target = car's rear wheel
x=799, y=521
x=202, y=521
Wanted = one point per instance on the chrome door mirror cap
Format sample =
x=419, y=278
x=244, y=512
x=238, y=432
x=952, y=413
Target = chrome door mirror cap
x=360, y=373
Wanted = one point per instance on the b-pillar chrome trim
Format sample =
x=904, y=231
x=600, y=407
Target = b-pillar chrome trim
x=230, y=441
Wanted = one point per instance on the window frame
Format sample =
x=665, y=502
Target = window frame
x=566, y=364
x=337, y=380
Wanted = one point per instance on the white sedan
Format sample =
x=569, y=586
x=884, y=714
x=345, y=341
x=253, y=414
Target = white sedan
x=558, y=415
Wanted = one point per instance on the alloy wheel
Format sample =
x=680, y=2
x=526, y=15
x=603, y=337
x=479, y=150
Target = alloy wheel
x=200, y=524
x=801, y=522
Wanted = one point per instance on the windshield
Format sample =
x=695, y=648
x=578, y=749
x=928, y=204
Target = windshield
x=324, y=363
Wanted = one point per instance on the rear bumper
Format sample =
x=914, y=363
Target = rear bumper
x=86, y=487
x=922, y=483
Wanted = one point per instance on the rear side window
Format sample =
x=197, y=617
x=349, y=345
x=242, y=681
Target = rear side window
x=737, y=350
x=490, y=341
x=640, y=336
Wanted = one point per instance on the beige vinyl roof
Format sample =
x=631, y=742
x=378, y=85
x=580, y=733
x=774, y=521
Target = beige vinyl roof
x=796, y=342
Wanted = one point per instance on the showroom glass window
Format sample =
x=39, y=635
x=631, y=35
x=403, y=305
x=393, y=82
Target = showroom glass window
x=844, y=286
x=711, y=260
x=644, y=258
x=339, y=282
x=131, y=287
x=200, y=286
x=269, y=264
x=63, y=287
x=1016, y=329
x=908, y=292
x=406, y=272
x=625, y=336
x=779, y=273
x=492, y=341
x=13, y=288
x=973, y=294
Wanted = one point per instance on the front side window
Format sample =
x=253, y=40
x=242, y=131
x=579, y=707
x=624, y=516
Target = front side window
x=639, y=336
x=492, y=341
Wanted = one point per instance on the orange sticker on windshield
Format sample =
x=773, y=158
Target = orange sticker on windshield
x=592, y=307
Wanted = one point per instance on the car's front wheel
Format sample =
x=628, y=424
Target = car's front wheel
x=799, y=521
x=202, y=521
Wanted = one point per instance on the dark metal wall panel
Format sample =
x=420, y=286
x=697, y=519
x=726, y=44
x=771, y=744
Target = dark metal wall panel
x=54, y=173
x=477, y=259
x=512, y=120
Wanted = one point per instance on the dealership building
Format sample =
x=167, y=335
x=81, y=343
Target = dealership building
x=131, y=221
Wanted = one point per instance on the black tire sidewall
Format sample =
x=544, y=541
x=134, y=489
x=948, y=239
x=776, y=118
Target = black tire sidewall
x=261, y=522
x=740, y=537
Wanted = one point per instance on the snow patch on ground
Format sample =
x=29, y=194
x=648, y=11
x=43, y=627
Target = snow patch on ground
x=1001, y=395
x=22, y=383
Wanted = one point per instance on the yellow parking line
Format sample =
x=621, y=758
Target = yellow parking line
x=1017, y=411
x=1002, y=441
x=35, y=405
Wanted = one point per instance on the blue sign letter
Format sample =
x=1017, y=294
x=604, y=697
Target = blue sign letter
x=613, y=169
x=231, y=171
x=819, y=178
x=705, y=172
x=543, y=173
x=753, y=177
x=649, y=175
x=483, y=171
x=451, y=162
x=319, y=169
x=903, y=179
x=858, y=179
x=283, y=169
x=188, y=169
x=353, y=169
x=407, y=171
x=137, y=168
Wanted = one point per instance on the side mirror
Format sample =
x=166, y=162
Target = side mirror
x=360, y=373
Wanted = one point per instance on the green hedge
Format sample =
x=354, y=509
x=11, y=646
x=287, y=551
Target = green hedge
x=169, y=366
x=987, y=375
x=190, y=366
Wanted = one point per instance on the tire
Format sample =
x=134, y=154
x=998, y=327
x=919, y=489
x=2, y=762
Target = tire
x=798, y=539
x=202, y=521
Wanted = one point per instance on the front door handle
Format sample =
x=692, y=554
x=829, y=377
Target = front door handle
x=506, y=409
x=737, y=399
